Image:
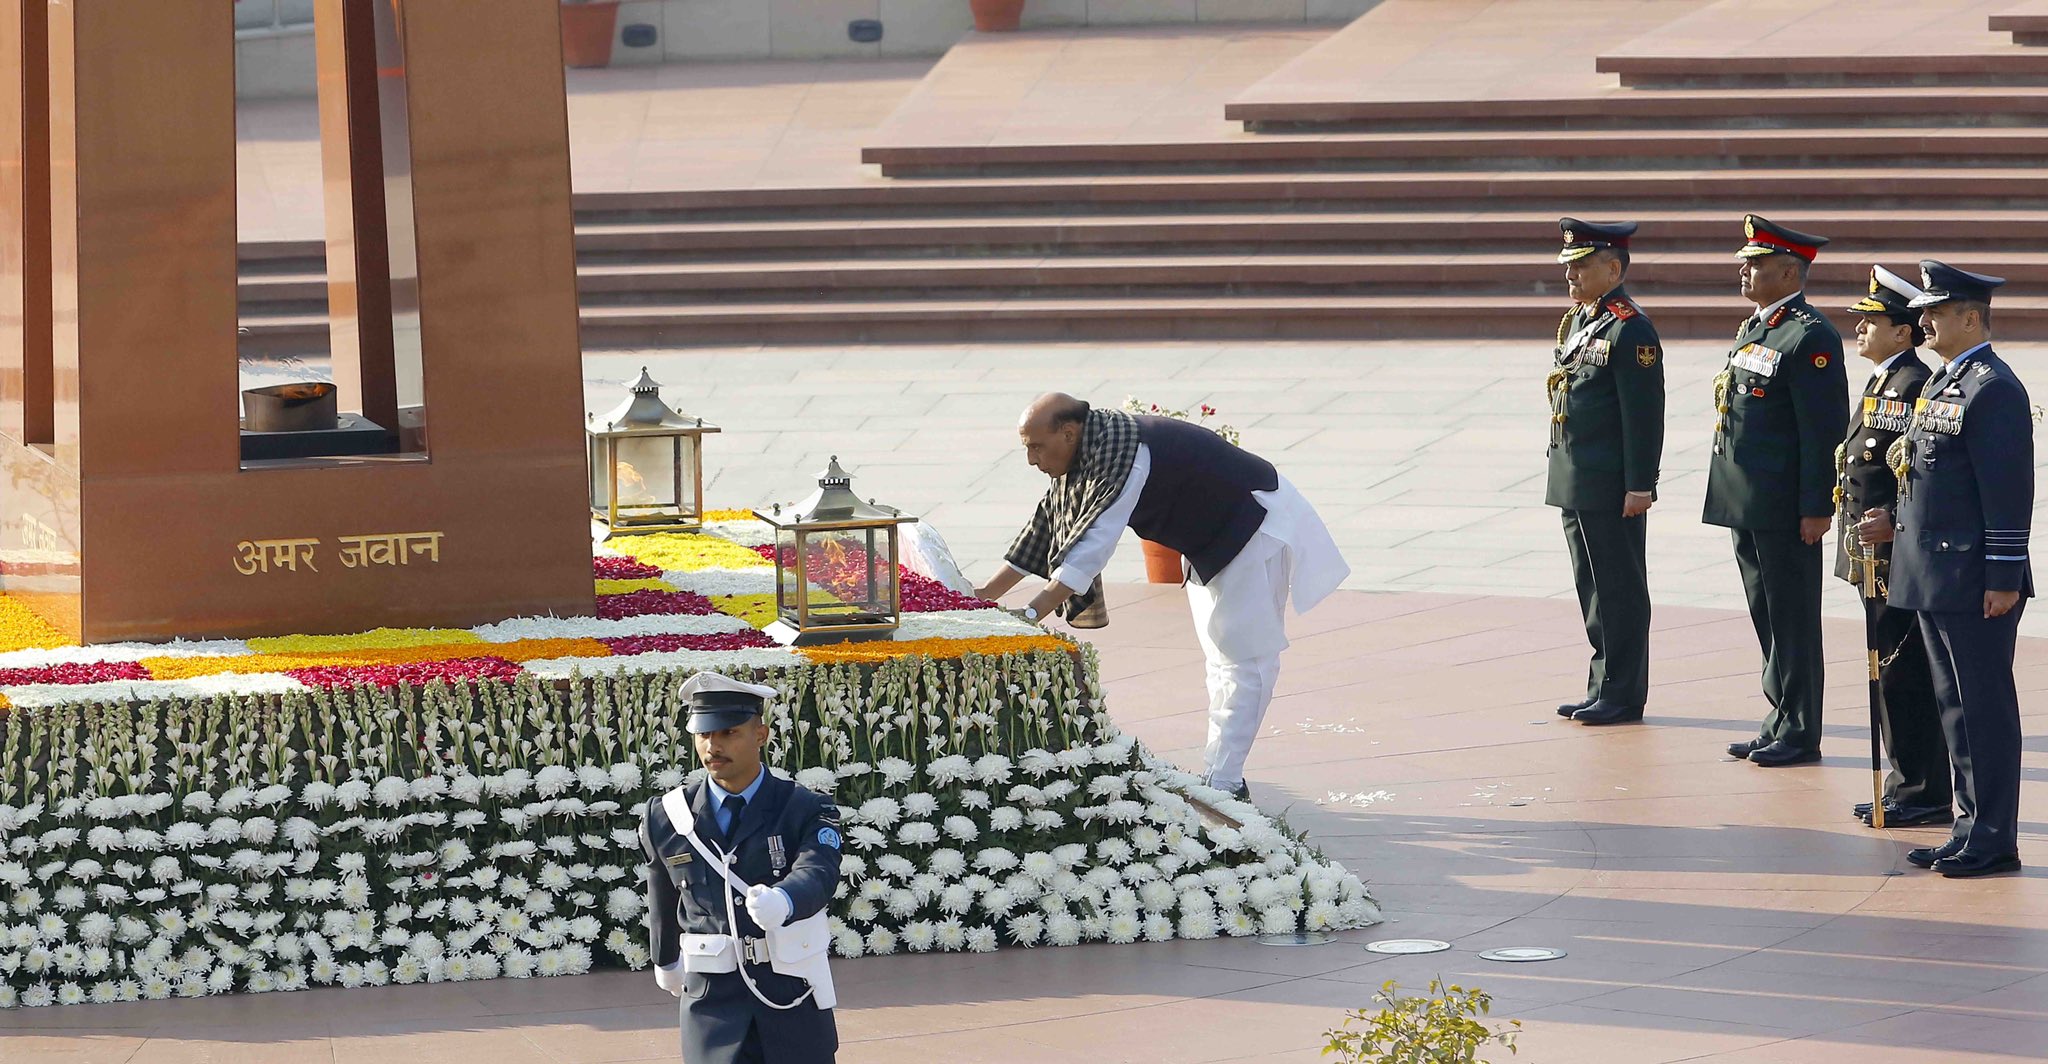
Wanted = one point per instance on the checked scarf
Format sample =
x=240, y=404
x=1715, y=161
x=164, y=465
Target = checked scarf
x=1102, y=463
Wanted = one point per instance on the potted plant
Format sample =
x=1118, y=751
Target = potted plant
x=588, y=27
x=1163, y=564
x=1442, y=1027
x=996, y=16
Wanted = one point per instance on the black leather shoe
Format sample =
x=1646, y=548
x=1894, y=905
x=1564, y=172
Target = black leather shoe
x=1913, y=816
x=1243, y=793
x=1861, y=810
x=1570, y=708
x=1965, y=864
x=1741, y=751
x=1604, y=712
x=1925, y=856
x=1781, y=753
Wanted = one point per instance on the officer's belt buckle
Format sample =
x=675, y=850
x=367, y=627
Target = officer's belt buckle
x=754, y=950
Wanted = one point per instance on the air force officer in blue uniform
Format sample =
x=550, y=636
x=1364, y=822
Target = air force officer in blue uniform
x=785, y=842
x=1959, y=559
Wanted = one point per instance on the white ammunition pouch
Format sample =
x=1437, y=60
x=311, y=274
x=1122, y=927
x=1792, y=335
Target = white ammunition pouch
x=797, y=948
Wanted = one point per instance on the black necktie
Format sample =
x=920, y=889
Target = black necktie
x=732, y=807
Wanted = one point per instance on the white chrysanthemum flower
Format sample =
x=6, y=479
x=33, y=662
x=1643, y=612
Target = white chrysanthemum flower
x=1037, y=763
x=1277, y=920
x=998, y=901
x=883, y=813
x=992, y=769
x=951, y=934
x=862, y=911
x=1040, y=865
x=1025, y=794
x=917, y=833
x=949, y=770
x=1156, y=896
x=947, y=863
x=901, y=902
x=1321, y=916
x=847, y=942
x=956, y=899
x=1237, y=923
x=1122, y=927
x=920, y=804
x=1044, y=820
x=881, y=942
x=981, y=940
x=1006, y=818
x=821, y=780
x=85, y=870
x=1070, y=855
x=895, y=865
x=1229, y=893
x=918, y=935
x=1263, y=893
x=106, y=993
x=1122, y=899
x=866, y=838
x=1027, y=929
x=995, y=859
x=1062, y=929
x=1198, y=924
x=623, y=903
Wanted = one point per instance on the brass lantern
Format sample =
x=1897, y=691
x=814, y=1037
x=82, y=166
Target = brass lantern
x=646, y=465
x=836, y=575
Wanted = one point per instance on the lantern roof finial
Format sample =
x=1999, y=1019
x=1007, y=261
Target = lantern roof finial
x=834, y=501
x=644, y=409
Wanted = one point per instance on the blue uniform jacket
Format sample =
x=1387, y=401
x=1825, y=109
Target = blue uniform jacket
x=1967, y=498
x=686, y=896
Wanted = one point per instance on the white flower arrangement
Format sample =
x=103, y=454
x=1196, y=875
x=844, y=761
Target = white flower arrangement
x=193, y=845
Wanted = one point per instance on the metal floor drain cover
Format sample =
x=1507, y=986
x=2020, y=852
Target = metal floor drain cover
x=1522, y=954
x=1296, y=938
x=1407, y=945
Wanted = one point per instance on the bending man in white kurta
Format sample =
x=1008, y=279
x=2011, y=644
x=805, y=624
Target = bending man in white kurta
x=1248, y=537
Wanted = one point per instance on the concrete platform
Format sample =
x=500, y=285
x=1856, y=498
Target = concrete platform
x=1711, y=911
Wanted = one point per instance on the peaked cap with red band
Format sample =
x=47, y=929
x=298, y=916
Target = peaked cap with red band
x=1766, y=237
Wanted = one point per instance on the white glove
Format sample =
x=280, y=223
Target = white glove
x=670, y=978
x=768, y=906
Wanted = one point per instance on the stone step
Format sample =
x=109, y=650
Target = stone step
x=1420, y=270
x=2021, y=319
x=1860, y=108
x=1535, y=150
x=1523, y=232
x=1618, y=192
x=2017, y=67
x=2028, y=27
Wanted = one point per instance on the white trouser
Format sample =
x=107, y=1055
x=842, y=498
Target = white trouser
x=1241, y=620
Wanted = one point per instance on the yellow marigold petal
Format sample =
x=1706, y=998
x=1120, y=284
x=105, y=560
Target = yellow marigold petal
x=882, y=650
x=757, y=610
x=687, y=551
x=376, y=638
x=620, y=587
x=729, y=515
x=22, y=629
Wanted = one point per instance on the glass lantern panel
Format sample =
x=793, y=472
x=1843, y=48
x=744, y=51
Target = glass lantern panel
x=841, y=568
x=647, y=472
x=688, y=497
x=788, y=578
x=881, y=547
x=600, y=477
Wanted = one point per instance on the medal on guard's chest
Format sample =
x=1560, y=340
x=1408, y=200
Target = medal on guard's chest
x=777, y=859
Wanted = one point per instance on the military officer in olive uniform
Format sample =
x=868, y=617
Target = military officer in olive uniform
x=1781, y=407
x=1959, y=559
x=1606, y=440
x=708, y=944
x=1917, y=790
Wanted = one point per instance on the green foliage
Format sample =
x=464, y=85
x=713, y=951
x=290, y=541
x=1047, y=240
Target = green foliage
x=1442, y=1027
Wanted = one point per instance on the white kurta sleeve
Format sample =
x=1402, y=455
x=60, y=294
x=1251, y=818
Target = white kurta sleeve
x=1090, y=554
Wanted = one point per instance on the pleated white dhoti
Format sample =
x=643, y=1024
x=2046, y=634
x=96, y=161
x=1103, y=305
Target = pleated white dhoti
x=1241, y=622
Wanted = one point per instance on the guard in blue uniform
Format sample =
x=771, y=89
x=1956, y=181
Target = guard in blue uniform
x=709, y=945
x=1888, y=333
x=1782, y=405
x=1606, y=390
x=1959, y=559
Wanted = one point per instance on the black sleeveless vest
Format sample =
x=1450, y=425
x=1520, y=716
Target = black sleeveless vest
x=1198, y=497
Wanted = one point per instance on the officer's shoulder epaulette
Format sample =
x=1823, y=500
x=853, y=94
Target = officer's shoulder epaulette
x=1622, y=309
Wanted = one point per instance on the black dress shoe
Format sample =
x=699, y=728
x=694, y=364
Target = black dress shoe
x=1741, y=751
x=1966, y=864
x=1243, y=793
x=1913, y=816
x=1604, y=712
x=1570, y=708
x=1925, y=856
x=1861, y=810
x=1782, y=753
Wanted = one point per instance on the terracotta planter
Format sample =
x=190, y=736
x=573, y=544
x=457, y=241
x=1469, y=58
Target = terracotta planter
x=1162, y=564
x=587, y=32
x=997, y=16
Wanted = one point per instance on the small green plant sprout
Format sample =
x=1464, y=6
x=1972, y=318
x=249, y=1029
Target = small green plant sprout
x=1441, y=1027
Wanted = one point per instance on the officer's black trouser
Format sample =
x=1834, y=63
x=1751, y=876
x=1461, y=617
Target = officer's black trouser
x=1909, y=718
x=1781, y=577
x=1611, y=573
x=1980, y=714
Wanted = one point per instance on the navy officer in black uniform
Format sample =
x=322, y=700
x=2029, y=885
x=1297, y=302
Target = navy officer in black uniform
x=1606, y=390
x=1959, y=559
x=785, y=844
x=1782, y=403
x=1917, y=790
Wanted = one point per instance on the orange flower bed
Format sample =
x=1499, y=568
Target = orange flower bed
x=883, y=650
